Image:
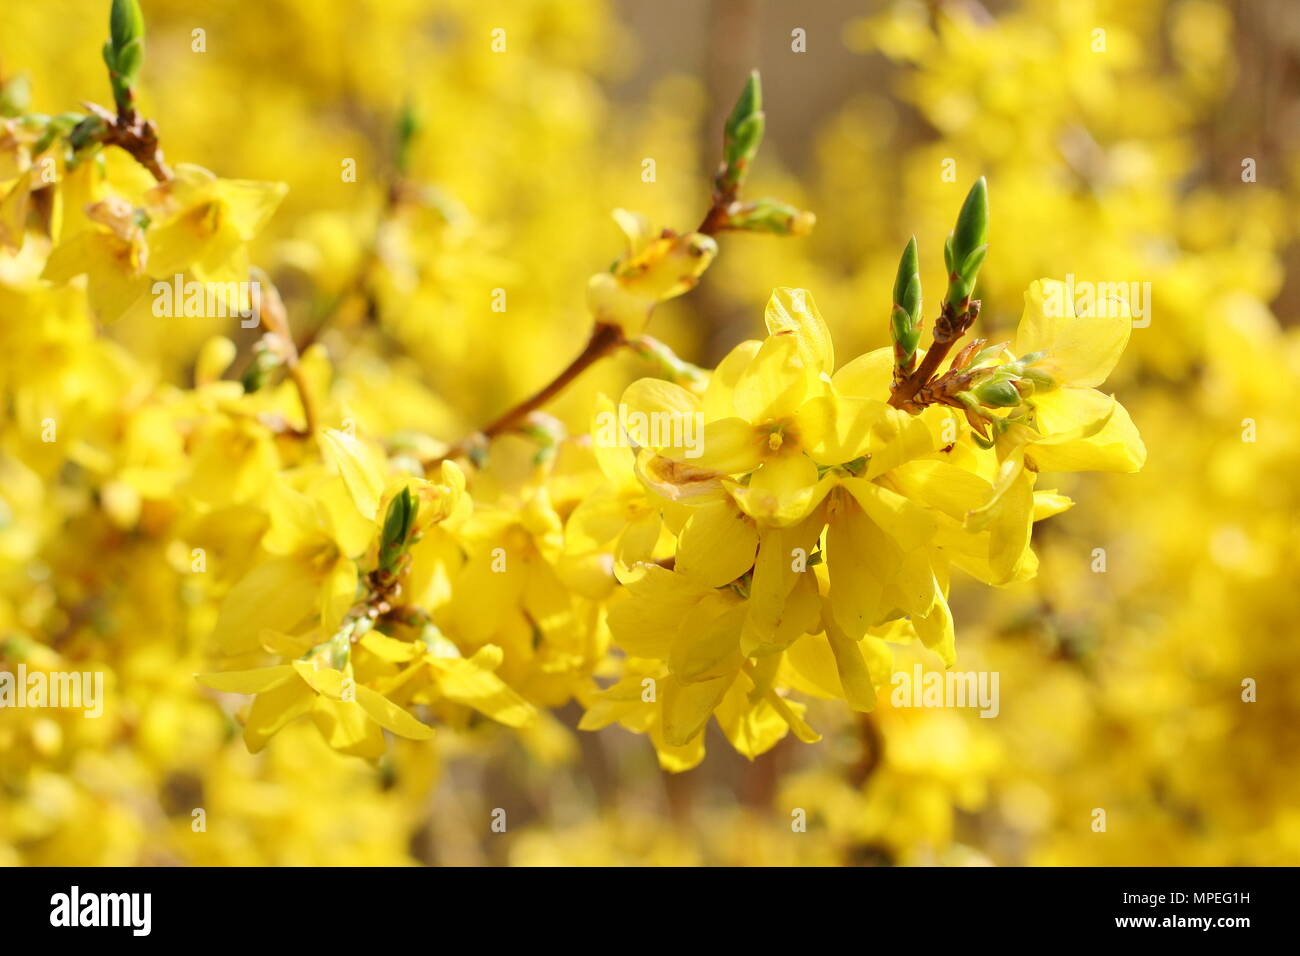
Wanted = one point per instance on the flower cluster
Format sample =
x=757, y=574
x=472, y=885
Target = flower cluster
x=394, y=581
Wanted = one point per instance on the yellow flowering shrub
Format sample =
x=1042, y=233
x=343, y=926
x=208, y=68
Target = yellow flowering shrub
x=321, y=528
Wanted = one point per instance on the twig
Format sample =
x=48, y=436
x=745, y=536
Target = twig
x=948, y=329
x=135, y=135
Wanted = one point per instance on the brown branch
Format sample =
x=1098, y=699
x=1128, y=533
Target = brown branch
x=948, y=329
x=604, y=339
x=136, y=136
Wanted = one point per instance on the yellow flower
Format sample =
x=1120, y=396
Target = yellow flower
x=349, y=715
x=1081, y=428
x=656, y=267
x=112, y=253
x=202, y=225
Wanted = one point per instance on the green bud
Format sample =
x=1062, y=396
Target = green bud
x=549, y=433
x=907, y=283
x=15, y=95
x=86, y=131
x=987, y=353
x=774, y=216
x=1041, y=378
x=905, y=317
x=997, y=394
x=265, y=360
x=968, y=244
x=668, y=366
x=126, y=24
x=743, y=132
x=408, y=128
x=397, y=528
x=129, y=60
x=124, y=51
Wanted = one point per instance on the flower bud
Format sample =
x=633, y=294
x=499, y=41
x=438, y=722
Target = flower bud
x=905, y=317
x=966, y=247
x=997, y=394
x=771, y=215
x=1041, y=377
x=397, y=528
x=742, y=134
x=126, y=46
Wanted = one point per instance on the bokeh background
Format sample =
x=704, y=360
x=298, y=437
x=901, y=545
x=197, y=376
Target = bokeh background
x=1120, y=690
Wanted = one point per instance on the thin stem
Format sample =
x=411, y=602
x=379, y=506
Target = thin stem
x=134, y=135
x=951, y=325
x=604, y=340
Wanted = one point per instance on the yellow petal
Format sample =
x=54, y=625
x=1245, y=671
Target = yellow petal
x=859, y=560
x=249, y=204
x=720, y=394
x=783, y=601
x=1009, y=532
x=782, y=492
x=793, y=312
x=473, y=684
x=717, y=544
x=347, y=728
x=323, y=680
x=1083, y=349
x=391, y=717
x=838, y=429
x=937, y=633
x=1116, y=446
x=708, y=640
x=389, y=648
x=940, y=485
x=254, y=681
x=687, y=707
x=855, y=678
x=361, y=467
x=867, y=376
x=792, y=713
x=275, y=708
x=278, y=594
x=338, y=594
x=730, y=446
x=752, y=725
x=774, y=384
x=645, y=617
x=909, y=525
x=1050, y=503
